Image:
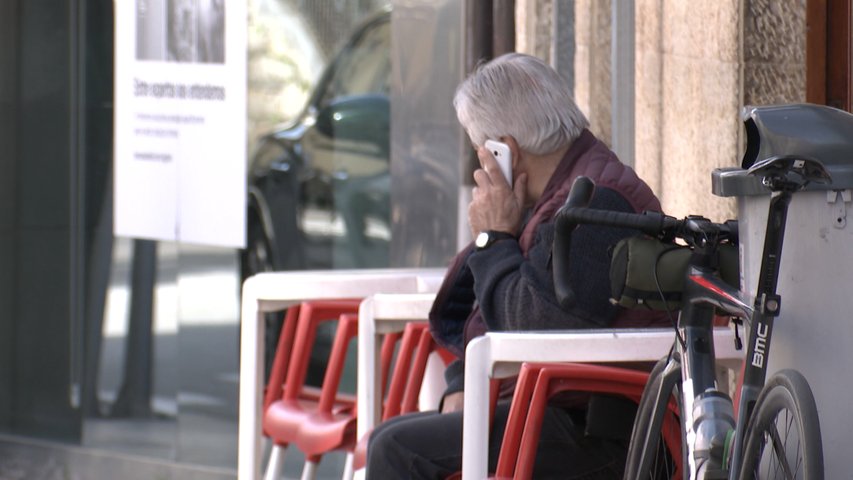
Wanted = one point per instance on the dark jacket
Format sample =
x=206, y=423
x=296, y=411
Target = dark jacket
x=509, y=286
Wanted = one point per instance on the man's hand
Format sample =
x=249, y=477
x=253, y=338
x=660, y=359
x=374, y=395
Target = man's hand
x=453, y=402
x=494, y=204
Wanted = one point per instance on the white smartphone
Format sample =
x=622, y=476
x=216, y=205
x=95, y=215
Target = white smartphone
x=503, y=155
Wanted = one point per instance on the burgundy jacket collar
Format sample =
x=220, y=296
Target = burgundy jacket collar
x=545, y=206
x=580, y=146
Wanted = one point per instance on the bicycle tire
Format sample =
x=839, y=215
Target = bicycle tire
x=786, y=397
x=661, y=463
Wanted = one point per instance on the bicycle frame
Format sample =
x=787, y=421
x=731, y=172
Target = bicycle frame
x=715, y=440
x=703, y=293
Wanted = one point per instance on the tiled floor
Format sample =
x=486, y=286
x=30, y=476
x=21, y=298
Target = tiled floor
x=22, y=459
x=132, y=456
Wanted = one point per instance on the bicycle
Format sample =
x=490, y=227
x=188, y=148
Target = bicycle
x=715, y=444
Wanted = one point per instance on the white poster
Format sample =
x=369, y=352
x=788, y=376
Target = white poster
x=180, y=120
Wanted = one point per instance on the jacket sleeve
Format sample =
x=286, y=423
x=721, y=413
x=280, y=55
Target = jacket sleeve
x=453, y=304
x=517, y=293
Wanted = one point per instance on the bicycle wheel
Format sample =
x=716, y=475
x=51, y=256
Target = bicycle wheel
x=657, y=431
x=783, y=439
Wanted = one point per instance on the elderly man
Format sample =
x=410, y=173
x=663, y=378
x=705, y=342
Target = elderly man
x=503, y=281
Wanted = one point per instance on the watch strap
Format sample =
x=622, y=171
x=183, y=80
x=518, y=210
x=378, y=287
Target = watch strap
x=495, y=236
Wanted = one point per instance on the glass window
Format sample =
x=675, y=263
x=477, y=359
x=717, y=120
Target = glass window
x=364, y=67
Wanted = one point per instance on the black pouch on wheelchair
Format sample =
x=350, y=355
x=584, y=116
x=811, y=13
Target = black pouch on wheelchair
x=645, y=272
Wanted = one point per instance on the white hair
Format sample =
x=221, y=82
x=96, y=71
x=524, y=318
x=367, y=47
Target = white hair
x=521, y=96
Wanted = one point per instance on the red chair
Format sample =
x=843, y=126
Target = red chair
x=318, y=422
x=537, y=383
x=286, y=391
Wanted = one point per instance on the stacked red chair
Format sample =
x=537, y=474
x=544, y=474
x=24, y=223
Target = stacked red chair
x=288, y=402
x=317, y=422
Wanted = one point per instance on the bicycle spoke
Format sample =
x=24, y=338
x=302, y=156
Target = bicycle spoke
x=779, y=450
x=785, y=440
x=789, y=425
x=776, y=462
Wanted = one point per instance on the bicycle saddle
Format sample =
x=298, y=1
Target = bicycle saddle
x=791, y=170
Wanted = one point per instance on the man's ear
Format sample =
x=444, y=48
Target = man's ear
x=513, y=147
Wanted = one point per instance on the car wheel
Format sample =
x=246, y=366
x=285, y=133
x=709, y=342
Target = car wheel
x=257, y=258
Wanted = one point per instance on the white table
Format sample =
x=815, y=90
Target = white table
x=499, y=355
x=379, y=315
x=267, y=292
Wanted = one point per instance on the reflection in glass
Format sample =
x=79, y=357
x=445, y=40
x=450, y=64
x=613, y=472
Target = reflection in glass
x=319, y=186
x=185, y=31
x=320, y=203
x=136, y=383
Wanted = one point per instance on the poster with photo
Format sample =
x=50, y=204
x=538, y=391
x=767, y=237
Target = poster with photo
x=180, y=120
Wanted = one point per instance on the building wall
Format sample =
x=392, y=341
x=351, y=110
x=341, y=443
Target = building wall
x=774, y=52
x=42, y=219
x=8, y=217
x=533, y=27
x=693, y=104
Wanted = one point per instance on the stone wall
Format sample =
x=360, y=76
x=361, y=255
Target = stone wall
x=774, y=52
x=533, y=27
x=689, y=101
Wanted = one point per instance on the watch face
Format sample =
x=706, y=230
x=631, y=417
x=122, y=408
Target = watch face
x=482, y=240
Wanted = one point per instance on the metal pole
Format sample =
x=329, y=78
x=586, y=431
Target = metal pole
x=478, y=33
x=503, y=35
x=622, y=78
x=134, y=397
x=563, y=40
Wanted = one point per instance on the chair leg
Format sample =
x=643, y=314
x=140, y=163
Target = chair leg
x=276, y=463
x=309, y=472
x=348, y=472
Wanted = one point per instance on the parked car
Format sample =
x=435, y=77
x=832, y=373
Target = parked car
x=319, y=187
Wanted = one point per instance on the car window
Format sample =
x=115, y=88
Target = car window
x=365, y=67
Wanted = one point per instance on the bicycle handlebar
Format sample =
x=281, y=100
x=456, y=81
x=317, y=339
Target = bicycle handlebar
x=650, y=223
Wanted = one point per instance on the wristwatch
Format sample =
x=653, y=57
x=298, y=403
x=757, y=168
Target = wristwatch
x=486, y=239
